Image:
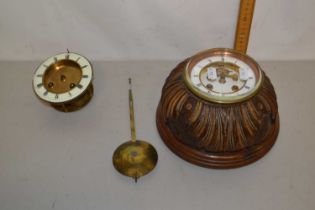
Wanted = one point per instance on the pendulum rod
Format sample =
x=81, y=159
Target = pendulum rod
x=132, y=114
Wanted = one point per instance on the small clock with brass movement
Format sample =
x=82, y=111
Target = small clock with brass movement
x=64, y=81
x=223, y=76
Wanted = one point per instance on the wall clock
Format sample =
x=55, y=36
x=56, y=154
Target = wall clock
x=64, y=81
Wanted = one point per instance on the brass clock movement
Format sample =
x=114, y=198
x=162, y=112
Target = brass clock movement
x=64, y=81
x=218, y=108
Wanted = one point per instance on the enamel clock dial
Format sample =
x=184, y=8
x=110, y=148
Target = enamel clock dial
x=223, y=76
x=64, y=81
x=218, y=109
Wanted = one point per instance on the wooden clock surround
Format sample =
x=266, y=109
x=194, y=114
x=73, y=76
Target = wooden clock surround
x=216, y=135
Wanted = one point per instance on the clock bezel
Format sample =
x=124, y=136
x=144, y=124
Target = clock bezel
x=223, y=52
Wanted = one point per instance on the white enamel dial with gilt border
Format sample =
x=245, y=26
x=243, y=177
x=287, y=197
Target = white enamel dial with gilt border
x=83, y=68
x=223, y=75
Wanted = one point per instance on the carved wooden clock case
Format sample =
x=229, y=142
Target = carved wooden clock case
x=218, y=109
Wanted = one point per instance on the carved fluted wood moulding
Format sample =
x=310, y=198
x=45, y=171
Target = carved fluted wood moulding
x=218, y=109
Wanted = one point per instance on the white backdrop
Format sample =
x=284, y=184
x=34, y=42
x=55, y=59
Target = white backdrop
x=155, y=30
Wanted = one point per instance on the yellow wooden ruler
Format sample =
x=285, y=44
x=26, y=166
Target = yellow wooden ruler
x=245, y=17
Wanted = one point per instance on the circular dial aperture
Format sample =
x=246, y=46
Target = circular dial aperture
x=223, y=76
x=62, y=78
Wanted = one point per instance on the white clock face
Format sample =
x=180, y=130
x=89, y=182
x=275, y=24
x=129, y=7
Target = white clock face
x=223, y=75
x=62, y=78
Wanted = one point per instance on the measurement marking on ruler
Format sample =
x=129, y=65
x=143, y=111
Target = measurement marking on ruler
x=245, y=17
